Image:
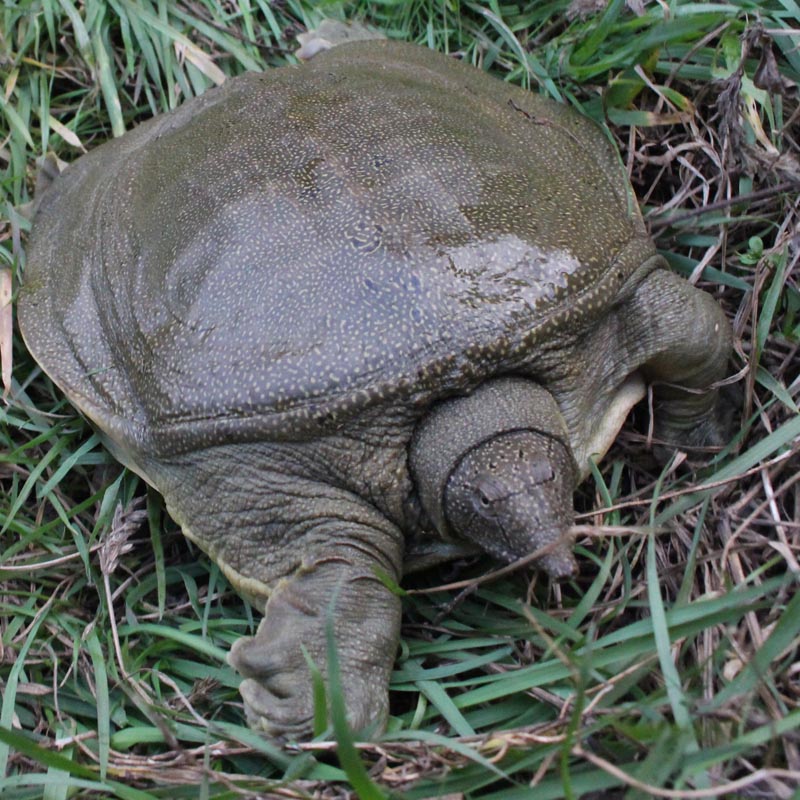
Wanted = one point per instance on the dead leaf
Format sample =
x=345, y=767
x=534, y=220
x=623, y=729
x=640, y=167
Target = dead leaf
x=585, y=8
x=70, y=137
x=732, y=668
x=195, y=56
x=767, y=75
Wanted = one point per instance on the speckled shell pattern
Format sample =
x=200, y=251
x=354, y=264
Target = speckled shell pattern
x=382, y=223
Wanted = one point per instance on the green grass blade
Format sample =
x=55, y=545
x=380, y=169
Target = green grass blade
x=103, y=705
x=348, y=755
x=22, y=744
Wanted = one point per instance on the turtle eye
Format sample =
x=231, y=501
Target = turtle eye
x=486, y=491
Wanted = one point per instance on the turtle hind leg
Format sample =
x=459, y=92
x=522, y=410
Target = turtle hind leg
x=683, y=342
x=338, y=585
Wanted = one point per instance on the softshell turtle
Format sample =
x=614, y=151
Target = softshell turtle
x=336, y=312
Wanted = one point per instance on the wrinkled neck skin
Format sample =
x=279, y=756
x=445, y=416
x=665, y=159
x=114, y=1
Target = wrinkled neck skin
x=495, y=469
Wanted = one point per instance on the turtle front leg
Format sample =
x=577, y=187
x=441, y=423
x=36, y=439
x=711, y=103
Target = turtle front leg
x=683, y=341
x=338, y=583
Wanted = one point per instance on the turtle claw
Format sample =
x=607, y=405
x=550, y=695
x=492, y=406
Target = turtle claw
x=278, y=688
x=280, y=701
x=277, y=694
x=280, y=717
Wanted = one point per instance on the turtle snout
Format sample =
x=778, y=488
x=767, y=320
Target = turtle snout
x=559, y=563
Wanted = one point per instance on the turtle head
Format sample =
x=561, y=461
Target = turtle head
x=495, y=468
x=512, y=495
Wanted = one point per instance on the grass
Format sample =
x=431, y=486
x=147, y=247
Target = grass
x=667, y=669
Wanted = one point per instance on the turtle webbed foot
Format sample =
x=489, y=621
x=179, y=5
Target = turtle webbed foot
x=700, y=435
x=278, y=689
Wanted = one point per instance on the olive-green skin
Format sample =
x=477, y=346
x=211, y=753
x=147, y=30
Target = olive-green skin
x=260, y=297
